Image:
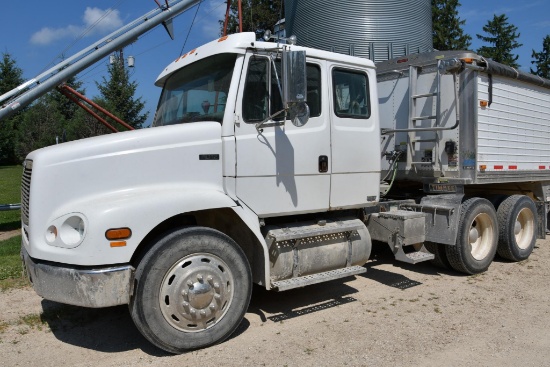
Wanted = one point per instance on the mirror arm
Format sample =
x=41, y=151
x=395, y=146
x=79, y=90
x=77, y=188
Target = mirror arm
x=259, y=125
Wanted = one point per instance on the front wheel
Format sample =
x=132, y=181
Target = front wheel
x=477, y=237
x=192, y=290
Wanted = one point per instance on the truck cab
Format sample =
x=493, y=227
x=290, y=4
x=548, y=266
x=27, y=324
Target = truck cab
x=269, y=168
x=224, y=189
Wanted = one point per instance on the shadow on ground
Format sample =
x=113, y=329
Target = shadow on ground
x=108, y=330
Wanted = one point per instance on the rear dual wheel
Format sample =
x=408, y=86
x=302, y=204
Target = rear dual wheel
x=440, y=256
x=477, y=237
x=517, y=227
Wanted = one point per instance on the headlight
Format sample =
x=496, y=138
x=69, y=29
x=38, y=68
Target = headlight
x=67, y=231
x=71, y=232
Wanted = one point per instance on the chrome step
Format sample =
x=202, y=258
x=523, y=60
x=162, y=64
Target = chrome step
x=414, y=257
x=283, y=285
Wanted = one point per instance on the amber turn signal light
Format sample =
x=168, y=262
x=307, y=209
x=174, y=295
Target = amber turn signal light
x=118, y=244
x=118, y=233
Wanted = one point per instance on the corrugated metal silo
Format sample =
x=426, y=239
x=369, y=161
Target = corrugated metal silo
x=383, y=28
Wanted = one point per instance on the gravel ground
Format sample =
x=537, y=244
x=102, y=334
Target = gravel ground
x=395, y=315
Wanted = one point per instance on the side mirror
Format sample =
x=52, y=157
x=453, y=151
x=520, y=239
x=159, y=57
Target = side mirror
x=295, y=86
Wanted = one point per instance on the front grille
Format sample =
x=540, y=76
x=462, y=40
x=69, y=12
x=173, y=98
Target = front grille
x=26, y=191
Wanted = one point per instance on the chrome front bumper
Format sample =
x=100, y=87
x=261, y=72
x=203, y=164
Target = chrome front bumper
x=96, y=288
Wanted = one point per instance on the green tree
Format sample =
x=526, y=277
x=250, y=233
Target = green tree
x=447, y=26
x=502, y=37
x=67, y=107
x=51, y=119
x=258, y=16
x=41, y=126
x=118, y=95
x=541, y=59
x=10, y=77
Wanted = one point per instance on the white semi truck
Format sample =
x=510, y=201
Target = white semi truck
x=264, y=165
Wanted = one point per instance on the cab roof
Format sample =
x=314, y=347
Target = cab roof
x=239, y=43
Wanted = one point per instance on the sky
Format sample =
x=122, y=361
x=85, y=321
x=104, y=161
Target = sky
x=37, y=33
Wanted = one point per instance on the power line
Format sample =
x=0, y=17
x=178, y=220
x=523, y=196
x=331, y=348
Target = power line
x=198, y=21
x=191, y=27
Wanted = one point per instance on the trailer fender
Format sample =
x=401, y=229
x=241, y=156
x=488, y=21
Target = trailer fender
x=444, y=215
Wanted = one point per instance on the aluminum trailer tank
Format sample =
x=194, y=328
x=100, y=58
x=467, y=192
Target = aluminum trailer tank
x=500, y=133
x=374, y=29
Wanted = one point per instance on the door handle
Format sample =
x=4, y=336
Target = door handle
x=323, y=163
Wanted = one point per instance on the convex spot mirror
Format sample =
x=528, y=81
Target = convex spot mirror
x=295, y=86
x=299, y=113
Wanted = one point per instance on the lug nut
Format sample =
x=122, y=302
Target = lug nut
x=199, y=278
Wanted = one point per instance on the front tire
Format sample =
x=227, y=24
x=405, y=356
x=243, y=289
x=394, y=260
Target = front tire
x=517, y=227
x=192, y=290
x=477, y=237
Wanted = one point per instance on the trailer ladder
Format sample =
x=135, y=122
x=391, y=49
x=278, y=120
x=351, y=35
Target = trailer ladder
x=414, y=96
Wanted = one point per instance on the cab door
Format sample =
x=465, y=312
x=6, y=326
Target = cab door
x=355, y=136
x=281, y=169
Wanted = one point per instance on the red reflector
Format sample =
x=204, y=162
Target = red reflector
x=512, y=167
x=499, y=167
x=542, y=167
x=402, y=61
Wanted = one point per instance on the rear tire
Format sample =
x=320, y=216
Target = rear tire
x=192, y=290
x=440, y=256
x=477, y=237
x=517, y=227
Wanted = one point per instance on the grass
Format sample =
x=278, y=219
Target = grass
x=11, y=274
x=11, y=268
x=10, y=193
x=10, y=261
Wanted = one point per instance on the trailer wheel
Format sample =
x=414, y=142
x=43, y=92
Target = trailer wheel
x=517, y=227
x=192, y=290
x=477, y=237
x=440, y=256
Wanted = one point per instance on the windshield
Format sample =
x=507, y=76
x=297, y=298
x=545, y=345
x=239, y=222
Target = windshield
x=197, y=92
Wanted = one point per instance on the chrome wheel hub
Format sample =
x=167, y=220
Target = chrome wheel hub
x=196, y=292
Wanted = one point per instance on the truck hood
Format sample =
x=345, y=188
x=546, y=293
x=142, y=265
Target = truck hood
x=84, y=170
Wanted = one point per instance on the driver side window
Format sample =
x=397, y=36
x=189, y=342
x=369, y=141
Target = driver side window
x=256, y=91
x=262, y=98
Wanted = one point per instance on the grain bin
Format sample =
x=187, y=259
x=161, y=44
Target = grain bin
x=375, y=29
